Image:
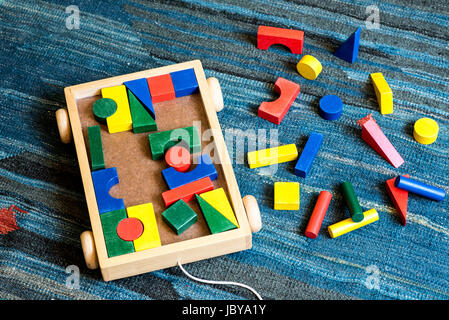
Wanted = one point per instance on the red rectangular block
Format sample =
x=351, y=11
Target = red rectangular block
x=187, y=192
x=161, y=88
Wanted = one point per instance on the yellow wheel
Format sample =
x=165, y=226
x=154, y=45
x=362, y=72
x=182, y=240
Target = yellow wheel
x=89, y=250
x=253, y=213
x=216, y=94
x=62, y=119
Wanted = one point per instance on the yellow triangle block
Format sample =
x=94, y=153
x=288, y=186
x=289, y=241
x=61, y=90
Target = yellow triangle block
x=219, y=201
x=121, y=120
x=150, y=236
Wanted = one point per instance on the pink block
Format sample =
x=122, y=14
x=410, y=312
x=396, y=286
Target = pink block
x=376, y=139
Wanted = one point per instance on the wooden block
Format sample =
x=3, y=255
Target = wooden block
x=150, y=237
x=139, y=88
x=318, y=213
x=286, y=196
x=348, y=225
x=103, y=108
x=292, y=39
x=103, y=181
x=373, y=135
x=187, y=191
x=184, y=82
x=95, y=148
x=114, y=245
x=330, y=107
x=309, y=67
x=425, y=131
x=178, y=158
x=129, y=229
x=204, y=168
x=161, y=88
x=179, y=217
x=121, y=120
x=308, y=154
x=351, y=201
x=349, y=49
x=399, y=198
x=420, y=188
x=266, y=157
x=274, y=111
x=160, y=142
x=383, y=93
x=219, y=201
x=142, y=120
x=215, y=220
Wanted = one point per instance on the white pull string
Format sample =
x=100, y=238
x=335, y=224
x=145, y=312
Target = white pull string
x=230, y=283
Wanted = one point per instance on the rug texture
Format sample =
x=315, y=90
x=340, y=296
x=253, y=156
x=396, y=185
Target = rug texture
x=43, y=51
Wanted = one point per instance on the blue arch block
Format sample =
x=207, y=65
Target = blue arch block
x=205, y=168
x=103, y=181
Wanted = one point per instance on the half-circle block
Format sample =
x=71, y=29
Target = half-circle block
x=139, y=88
x=373, y=135
x=121, y=120
x=215, y=220
x=160, y=142
x=103, y=181
x=219, y=201
x=274, y=111
x=150, y=237
x=399, y=198
x=204, y=168
x=292, y=39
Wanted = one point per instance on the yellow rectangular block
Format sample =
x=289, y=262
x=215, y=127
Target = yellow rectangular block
x=286, y=196
x=121, y=120
x=349, y=225
x=383, y=93
x=150, y=236
x=266, y=157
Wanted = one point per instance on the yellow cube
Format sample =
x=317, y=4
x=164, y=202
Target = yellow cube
x=286, y=196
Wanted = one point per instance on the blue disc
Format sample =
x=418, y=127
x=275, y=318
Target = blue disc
x=330, y=107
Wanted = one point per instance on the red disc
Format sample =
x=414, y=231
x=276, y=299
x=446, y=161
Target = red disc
x=129, y=229
x=178, y=158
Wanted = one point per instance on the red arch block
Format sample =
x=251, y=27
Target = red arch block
x=274, y=111
x=267, y=36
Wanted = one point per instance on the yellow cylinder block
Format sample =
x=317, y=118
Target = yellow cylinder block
x=425, y=130
x=349, y=225
x=309, y=67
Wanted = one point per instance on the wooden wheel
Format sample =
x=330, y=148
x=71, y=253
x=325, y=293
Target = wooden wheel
x=253, y=213
x=62, y=119
x=89, y=250
x=215, y=90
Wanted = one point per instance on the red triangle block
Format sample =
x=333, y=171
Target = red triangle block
x=399, y=197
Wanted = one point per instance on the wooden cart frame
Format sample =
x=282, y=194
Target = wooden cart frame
x=168, y=255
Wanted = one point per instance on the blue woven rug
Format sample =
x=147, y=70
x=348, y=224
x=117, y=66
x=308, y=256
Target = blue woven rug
x=40, y=56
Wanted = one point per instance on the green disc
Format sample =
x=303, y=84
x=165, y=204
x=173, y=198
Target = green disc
x=104, y=108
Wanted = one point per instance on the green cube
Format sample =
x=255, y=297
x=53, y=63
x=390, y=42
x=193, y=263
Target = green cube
x=179, y=216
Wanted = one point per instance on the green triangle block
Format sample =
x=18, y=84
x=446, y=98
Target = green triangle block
x=142, y=120
x=215, y=220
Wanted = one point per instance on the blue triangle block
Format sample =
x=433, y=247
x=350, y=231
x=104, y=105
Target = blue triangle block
x=349, y=50
x=139, y=88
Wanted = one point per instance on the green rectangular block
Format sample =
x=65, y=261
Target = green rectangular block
x=179, y=216
x=96, y=148
x=114, y=245
x=160, y=142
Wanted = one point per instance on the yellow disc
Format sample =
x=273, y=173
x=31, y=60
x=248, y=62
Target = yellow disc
x=425, y=131
x=309, y=67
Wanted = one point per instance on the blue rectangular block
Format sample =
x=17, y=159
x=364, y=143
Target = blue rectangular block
x=308, y=154
x=103, y=181
x=184, y=82
x=204, y=168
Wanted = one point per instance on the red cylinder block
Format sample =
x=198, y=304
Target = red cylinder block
x=178, y=158
x=313, y=228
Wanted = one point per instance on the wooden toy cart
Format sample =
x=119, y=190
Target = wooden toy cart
x=141, y=180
